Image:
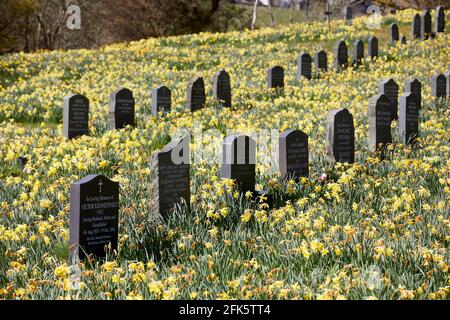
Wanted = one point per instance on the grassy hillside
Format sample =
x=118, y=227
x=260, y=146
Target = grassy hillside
x=373, y=230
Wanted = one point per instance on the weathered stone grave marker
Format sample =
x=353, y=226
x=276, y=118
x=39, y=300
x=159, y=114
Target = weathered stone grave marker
x=414, y=86
x=321, y=60
x=390, y=88
x=170, y=178
x=195, y=96
x=94, y=217
x=341, y=135
x=340, y=56
x=425, y=25
x=275, y=78
x=373, y=47
x=161, y=100
x=239, y=159
x=439, y=86
x=75, y=116
x=416, y=27
x=222, y=88
x=440, y=19
x=294, y=154
x=380, y=118
x=121, y=109
x=408, y=122
x=358, y=53
x=304, y=66
x=393, y=34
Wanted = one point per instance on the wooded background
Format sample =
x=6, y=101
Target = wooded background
x=30, y=25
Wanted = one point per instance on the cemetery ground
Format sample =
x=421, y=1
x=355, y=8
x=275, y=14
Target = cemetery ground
x=375, y=229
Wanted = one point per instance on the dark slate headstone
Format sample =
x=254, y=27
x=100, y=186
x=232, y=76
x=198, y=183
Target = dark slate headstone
x=393, y=33
x=94, y=217
x=416, y=26
x=222, y=88
x=439, y=20
x=239, y=159
x=414, y=86
x=340, y=55
x=348, y=12
x=294, y=154
x=75, y=116
x=170, y=178
x=425, y=25
x=341, y=135
x=321, y=60
x=408, y=122
x=373, y=47
x=22, y=162
x=121, y=109
x=304, y=66
x=275, y=77
x=195, y=96
x=161, y=100
x=358, y=53
x=390, y=88
x=380, y=118
x=403, y=40
x=439, y=86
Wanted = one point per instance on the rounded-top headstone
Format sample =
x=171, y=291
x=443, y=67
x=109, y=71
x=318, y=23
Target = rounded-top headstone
x=414, y=86
x=321, y=60
x=341, y=135
x=440, y=19
x=75, y=116
x=304, y=66
x=275, y=77
x=373, y=47
x=340, y=55
x=222, y=88
x=195, y=97
x=439, y=86
x=121, y=109
x=294, y=154
x=416, y=25
x=161, y=100
x=380, y=118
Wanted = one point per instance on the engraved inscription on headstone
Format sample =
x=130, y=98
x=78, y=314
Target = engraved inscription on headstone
x=294, y=154
x=275, y=77
x=222, y=88
x=390, y=88
x=408, y=122
x=321, y=60
x=195, y=96
x=341, y=135
x=414, y=86
x=340, y=56
x=380, y=117
x=239, y=159
x=304, y=66
x=94, y=217
x=373, y=47
x=161, y=100
x=75, y=116
x=170, y=178
x=121, y=109
x=439, y=86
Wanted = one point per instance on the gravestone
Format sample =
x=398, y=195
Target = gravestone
x=22, y=162
x=304, y=66
x=340, y=55
x=414, y=86
x=373, y=47
x=222, y=88
x=239, y=159
x=416, y=27
x=170, y=178
x=195, y=96
x=439, y=86
x=390, y=88
x=94, y=217
x=75, y=116
x=425, y=25
x=403, y=40
x=380, y=118
x=358, y=53
x=294, y=154
x=161, y=100
x=440, y=19
x=348, y=12
x=121, y=109
x=275, y=78
x=408, y=122
x=341, y=135
x=393, y=33
x=321, y=60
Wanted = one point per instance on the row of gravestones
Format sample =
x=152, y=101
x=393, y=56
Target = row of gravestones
x=94, y=200
x=422, y=24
